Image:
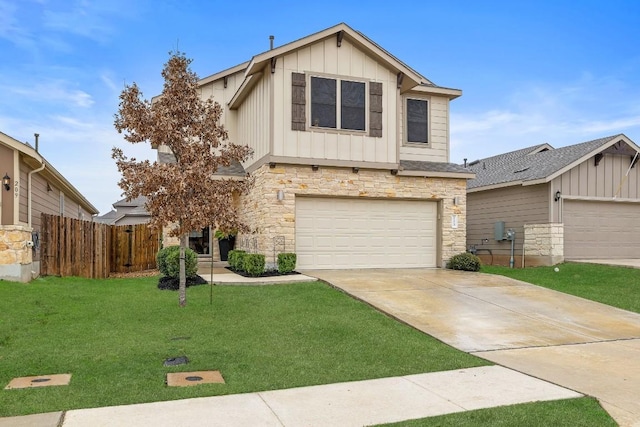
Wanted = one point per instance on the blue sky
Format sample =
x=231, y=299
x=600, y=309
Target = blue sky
x=560, y=72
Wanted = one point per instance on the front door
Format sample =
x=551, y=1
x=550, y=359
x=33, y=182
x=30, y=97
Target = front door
x=200, y=242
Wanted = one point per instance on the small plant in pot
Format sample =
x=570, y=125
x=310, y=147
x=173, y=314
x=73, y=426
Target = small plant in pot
x=226, y=242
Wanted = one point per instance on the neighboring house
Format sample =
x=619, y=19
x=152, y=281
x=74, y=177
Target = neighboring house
x=576, y=202
x=33, y=187
x=351, y=160
x=125, y=212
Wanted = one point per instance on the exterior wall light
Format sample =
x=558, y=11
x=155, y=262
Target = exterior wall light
x=6, y=182
x=557, y=196
x=314, y=167
x=355, y=169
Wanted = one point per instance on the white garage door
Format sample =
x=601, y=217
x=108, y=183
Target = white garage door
x=601, y=229
x=365, y=233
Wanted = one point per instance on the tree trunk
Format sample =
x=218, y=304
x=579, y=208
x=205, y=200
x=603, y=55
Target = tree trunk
x=182, y=289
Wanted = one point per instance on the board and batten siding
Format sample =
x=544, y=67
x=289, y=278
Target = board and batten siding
x=437, y=150
x=515, y=206
x=253, y=120
x=222, y=96
x=603, y=181
x=325, y=59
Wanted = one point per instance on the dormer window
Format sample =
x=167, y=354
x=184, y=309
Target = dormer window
x=417, y=121
x=327, y=94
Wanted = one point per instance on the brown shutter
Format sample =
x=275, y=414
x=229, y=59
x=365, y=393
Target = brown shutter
x=375, y=109
x=298, y=100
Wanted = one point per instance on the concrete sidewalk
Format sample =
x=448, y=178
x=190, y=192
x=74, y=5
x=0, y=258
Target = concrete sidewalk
x=357, y=403
x=223, y=276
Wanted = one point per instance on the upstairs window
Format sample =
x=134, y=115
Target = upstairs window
x=417, y=121
x=327, y=95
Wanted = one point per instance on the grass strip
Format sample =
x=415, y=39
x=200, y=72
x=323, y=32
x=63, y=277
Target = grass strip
x=114, y=335
x=584, y=412
x=611, y=285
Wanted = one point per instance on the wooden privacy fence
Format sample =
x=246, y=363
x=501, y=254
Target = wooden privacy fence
x=70, y=247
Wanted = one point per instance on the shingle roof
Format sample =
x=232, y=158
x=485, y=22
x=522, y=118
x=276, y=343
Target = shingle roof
x=234, y=169
x=107, y=218
x=414, y=165
x=138, y=201
x=530, y=163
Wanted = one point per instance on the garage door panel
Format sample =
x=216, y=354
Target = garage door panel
x=365, y=233
x=601, y=229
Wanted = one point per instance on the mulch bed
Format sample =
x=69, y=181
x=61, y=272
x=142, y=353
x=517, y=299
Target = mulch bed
x=270, y=273
x=173, y=283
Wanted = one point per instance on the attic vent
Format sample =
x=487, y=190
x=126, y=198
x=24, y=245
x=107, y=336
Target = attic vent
x=521, y=170
x=475, y=162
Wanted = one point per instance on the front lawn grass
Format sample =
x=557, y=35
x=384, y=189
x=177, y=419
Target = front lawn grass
x=114, y=335
x=584, y=412
x=611, y=285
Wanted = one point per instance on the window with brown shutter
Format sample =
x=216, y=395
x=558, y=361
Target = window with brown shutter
x=375, y=109
x=298, y=101
x=336, y=104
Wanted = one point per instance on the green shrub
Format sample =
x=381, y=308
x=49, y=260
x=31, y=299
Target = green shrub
x=236, y=259
x=254, y=264
x=464, y=261
x=286, y=262
x=169, y=261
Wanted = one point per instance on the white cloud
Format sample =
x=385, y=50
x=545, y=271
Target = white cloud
x=10, y=28
x=53, y=91
x=561, y=114
x=94, y=20
x=81, y=151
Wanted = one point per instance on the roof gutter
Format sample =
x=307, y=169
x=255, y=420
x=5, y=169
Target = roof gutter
x=29, y=186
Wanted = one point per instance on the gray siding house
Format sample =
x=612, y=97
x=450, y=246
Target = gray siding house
x=31, y=186
x=576, y=202
x=126, y=212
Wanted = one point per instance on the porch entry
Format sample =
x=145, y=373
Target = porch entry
x=200, y=241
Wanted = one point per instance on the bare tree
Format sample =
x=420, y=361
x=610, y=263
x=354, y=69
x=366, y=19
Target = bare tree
x=186, y=194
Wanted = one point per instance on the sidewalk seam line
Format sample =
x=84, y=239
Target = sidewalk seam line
x=270, y=408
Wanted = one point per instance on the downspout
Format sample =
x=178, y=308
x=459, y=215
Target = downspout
x=29, y=189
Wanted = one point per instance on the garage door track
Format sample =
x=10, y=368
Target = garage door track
x=579, y=344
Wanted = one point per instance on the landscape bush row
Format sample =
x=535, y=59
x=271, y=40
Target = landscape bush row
x=254, y=264
x=168, y=260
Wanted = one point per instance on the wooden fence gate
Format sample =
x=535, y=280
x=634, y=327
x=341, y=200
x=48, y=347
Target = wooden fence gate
x=70, y=247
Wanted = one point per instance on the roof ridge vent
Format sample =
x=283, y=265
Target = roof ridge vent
x=521, y=170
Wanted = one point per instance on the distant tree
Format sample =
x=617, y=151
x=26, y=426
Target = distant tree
x=185, y=195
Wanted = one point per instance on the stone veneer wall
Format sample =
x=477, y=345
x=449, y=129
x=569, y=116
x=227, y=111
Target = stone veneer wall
x=16, y=257
x=268, y=217
x=543, y=244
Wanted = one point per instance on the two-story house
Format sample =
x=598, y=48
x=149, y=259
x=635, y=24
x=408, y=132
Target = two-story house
x=351, y=160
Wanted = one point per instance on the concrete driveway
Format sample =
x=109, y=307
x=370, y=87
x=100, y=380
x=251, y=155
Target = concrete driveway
x=586, y=346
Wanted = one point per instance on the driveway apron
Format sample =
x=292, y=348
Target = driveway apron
x=579, y=344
